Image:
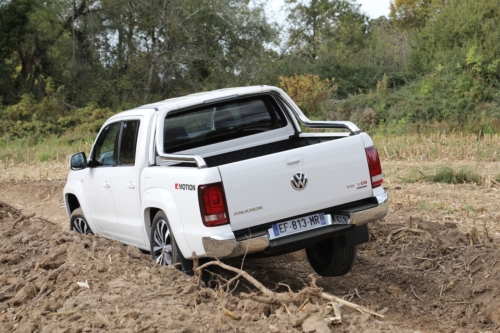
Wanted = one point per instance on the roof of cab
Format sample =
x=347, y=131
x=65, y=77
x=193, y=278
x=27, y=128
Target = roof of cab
x=195, y=99
x=208, y=96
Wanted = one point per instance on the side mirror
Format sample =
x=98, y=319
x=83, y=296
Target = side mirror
x=78, y=161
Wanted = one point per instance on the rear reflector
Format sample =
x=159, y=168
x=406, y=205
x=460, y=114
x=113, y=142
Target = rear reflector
x=213, y=205
x=375, y=167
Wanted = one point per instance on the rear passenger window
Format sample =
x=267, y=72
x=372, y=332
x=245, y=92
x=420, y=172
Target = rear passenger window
x=221, y=122
x=128, y=142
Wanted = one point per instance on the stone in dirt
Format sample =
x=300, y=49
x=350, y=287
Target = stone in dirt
x=26, y=293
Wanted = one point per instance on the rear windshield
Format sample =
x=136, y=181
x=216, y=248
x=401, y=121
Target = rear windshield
x=220, y=122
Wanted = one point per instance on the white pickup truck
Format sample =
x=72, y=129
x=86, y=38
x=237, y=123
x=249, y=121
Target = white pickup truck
x=229, y=173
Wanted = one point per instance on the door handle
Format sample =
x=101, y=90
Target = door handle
x=132, y=186
x=106, y=184
x=294, y=161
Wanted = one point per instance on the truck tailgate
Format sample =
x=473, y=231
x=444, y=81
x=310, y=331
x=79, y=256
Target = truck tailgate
x=260, y=190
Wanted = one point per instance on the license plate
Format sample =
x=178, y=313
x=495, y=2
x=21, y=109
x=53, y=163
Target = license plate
x=300, y=224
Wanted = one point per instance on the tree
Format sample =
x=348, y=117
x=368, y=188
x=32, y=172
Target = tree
x=124, y=52
x=387, y=46
x=321, y=23
x=14, y=25
x=329, y=38
x=198, y=45
x=461, y=26
x=412, y=14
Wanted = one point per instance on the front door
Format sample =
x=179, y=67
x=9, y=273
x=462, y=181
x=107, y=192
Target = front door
x=97, y=182
x=125, y=186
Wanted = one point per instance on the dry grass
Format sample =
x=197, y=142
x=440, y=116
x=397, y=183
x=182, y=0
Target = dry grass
x=469, y=204
x=53, y=170
x=422, y=154
x=439, y=147
x=464, y=205
x=444, y=178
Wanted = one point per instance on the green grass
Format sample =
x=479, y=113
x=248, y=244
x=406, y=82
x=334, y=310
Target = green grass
x=464, y=174
x=44, y=157
x=413, y=176
x=415, y=147
x=430, y=206
x=469, y=208
x=467, y=174
x=42, y=150
x=443, y=174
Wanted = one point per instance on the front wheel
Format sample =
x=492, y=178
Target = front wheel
x=79, y=223
x=164, y=249
x=331, y=257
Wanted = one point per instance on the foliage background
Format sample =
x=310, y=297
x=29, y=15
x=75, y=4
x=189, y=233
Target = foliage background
x=65, y=66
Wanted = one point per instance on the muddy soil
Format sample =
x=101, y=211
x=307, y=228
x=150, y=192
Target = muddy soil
x=422, y=274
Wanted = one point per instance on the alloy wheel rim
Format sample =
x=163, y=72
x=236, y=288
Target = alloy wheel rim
x=162, y=244
x=81, y=226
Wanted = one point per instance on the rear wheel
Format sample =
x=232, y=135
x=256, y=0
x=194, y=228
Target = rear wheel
x=164, y=249
x=78, y=222
x=331, y=257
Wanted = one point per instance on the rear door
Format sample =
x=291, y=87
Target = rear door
x=262, y=189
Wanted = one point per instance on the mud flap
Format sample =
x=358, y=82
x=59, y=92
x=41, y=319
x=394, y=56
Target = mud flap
x=357, y=236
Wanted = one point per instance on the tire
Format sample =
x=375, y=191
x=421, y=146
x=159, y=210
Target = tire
x=78, y=222
x=164, y=249
x=331, y=257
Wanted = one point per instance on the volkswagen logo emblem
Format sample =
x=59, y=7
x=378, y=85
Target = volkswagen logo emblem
x=299, y=181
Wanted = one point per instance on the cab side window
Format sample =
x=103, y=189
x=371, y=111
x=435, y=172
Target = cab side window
x=128, y=142
x=105, y=148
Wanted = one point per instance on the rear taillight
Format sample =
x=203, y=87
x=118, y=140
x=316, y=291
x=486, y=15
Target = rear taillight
x=374, y=165
x=213, y=205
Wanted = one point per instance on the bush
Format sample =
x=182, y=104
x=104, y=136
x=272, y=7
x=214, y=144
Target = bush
x=443, y=174
x=308, y=91
x=465, y=174
x=29, y=119
x=431, y=99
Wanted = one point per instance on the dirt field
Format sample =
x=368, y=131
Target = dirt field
x=430, y=266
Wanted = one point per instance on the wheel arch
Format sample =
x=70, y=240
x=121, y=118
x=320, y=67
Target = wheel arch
x=72, y=202
x=149, y=215
x=157, y=199
x=74, y=198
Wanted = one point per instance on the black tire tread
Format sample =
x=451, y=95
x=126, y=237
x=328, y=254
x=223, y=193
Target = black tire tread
x=337, y=258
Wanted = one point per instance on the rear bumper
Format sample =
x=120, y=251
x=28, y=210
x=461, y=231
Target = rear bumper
x=226, y=246
x=362, y=217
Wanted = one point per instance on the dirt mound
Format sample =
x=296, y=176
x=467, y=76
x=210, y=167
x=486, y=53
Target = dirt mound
x=430, y=273
x=420, y=275
x=53, y=280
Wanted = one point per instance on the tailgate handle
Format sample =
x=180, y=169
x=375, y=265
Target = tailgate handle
x=294, y=161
